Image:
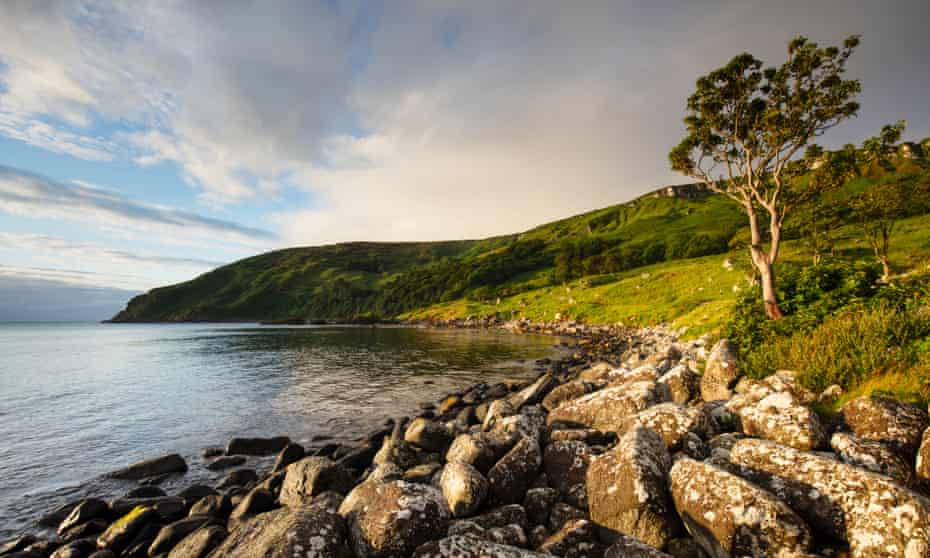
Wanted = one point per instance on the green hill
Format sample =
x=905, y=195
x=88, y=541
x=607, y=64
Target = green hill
x=658, y=258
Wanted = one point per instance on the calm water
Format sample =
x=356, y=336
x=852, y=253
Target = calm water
x=80, y=400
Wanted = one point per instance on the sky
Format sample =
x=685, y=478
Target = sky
x=143, y=143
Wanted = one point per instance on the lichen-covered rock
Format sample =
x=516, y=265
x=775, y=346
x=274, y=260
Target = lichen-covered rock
x=871, y=455
x=422, y=473
x=310, y=530
x=589, y=436
x=533, y=393
x=877, y=516
x=628, y=547
x=463, y=487
x=894, y=423
x=397, y=451
x=567, y=392
x=683, y=384
x=628, y=490
x=685, y=547
x=200, y=543
x=512, y=475
x=566, y=467
x=576, y=539
x=473, y=450
x=561, y=513
x=778, y=417
x=729, y=516
x=609, y=409
x=460, y=546
x=721, y=418
x=511, y=535
x=538, y=503
x=428, y=435
x=672, y=422
x=258, y=500
x=499, y=517
x=596, y=372
x=311, y=476
x=721, y=371
x=620, y=376
x=393, y=519
x=497, y=409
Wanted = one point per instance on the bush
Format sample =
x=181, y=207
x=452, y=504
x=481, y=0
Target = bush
x=845, y=349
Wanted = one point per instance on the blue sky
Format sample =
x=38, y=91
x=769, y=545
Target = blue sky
x=145, y=142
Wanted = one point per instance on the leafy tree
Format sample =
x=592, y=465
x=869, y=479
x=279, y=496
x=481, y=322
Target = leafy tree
x=746, y=125
x=821, y=214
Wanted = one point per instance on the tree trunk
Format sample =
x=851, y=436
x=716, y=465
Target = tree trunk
x=763, y=264
x=886, y=268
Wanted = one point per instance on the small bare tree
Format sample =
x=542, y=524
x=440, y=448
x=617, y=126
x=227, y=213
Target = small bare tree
x=746, y=125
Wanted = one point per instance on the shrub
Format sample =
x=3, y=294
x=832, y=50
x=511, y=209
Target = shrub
x=845, y=349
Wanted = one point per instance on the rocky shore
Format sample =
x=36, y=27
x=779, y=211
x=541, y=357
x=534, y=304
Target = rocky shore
x=637, y=444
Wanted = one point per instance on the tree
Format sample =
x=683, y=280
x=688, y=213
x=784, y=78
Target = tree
x=879, y=208
x=746, y=125
x=821, y=214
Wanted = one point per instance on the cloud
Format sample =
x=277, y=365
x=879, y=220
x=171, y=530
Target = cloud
x=95, y=251
x=416, y=119
x=31, y=195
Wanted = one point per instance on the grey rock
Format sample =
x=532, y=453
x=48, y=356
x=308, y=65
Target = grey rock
x=225, y=462
x=463, y=487
x=311, y=476
x=566, y=466
x=428, y=435
x=511, y=476
x=200, y=543
x=472, y=450
x=721, y=371
x=460, y=546
x=609, y=409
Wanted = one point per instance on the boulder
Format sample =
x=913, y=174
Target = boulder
x=566, y=466
x=894, y=423
x=533, y=393
x=463, y=546
x=238, y=477
x=163, y=465
x=422, y=473
x=173, y=533
x=91, y=508
x=596, y=372
x=683, y=384
x=214, y=505
x=291, y=453
x=778, y=417
x=311, y=530
x=511, y=535
x=620, y=376
x=195, y=492
x=729, y=516
x=609, y=409
x=877, y=516
x=576, y=539
x=18, y=544
x=673, y=422
x=499, y=517
x=311, y=476
x=721, y=371
x=628, y=488
x=561, y=513
x=589, y=436
x=146, y=491
x=258, y=500
x=497, y=409
x=200, y=543
x=76, y=549
x=463, y=487
x=629, y=547
x=257, y=446
x=118, y=535
x=538, y=503
x=871, y=455
x=473, y=450
x=428, y=435
x=511, y=476
x=567, y=392
x=88, y=529
x=391, y=519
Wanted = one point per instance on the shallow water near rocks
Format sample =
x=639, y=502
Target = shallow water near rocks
x=80, y=400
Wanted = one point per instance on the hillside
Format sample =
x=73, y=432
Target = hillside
x=658, y=258
x=352, y=280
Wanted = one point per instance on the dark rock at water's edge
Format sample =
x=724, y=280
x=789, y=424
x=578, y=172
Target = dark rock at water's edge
x=618, y=449
x=166, y=464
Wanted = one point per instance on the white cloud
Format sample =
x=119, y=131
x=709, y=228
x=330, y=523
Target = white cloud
x=422, y=119
x=31, y=195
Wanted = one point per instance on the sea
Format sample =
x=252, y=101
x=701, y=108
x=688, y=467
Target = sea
x=79, y=400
